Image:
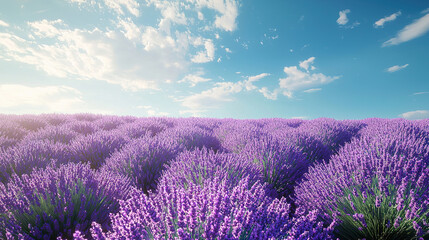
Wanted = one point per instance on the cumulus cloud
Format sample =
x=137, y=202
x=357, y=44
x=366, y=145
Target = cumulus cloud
x=207, y=55
x=396, y=68
x=16, y=98
x=342, y=19
x=307, y=63
x=414, y=30
x=382, y=21
x=221, y=92
x=302, y=80
x=272, y=95
x=228, y=10
x=415, y=115
x=195, y=78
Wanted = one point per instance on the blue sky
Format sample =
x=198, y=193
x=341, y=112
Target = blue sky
x=216, y=58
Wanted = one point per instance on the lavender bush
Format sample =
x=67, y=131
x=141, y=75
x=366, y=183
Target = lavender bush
x=143, y=160
x=96, y=147
x=22, y=158
x=374, y=182
x=55, y=202
x=281, y=164
x=201, y=164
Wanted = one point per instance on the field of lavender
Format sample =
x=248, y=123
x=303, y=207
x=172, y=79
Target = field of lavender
x=86, y=176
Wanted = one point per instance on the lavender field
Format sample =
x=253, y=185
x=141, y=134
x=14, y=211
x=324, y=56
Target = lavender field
x=86, y=176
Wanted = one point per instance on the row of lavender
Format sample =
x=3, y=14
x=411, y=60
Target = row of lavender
x=88, y=176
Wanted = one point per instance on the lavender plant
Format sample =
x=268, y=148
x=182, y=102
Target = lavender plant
x=191, y=137
x=52, y=134
x=386, y=167
x=82, y=127
x=55, y=202
x=280, y=163
x=96, y=147
x=201, y=164
x=26, y=156
x=143, y=160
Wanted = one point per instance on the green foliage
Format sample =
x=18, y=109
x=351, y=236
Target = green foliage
x=372, y=214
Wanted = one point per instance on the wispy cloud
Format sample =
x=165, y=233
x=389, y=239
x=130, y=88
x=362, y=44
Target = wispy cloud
x=152, y=111
x=414, y=30
x=382, y=21
x=342, y=19
x=415, y=115
x=222, y=92
x=420, y=93
x=16, y=98
x=195, y=78
x=4, y=24
x=312, y=90
x=396, y=68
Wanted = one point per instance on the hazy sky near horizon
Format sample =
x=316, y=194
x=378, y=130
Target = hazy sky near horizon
x=216, y=58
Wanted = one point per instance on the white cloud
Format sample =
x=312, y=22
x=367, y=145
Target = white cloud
x=420, y=93
x=222, y=92
x=411, y=31
x=269, y=95
x=207, y=55
x=195, y=78
x=94, y=54
x=382, y=21
x=152, y=111
x=227, y=8
x=307, y=63
x=312, y=90
x=248, y=84
x=130, y=30
x=4, y=24
x=425, y=11
x=342, y=19
x=118, y=6
x=299, y=80
x=228, y=50
x=396, y=68
x=415, y=115
x=15, y=98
